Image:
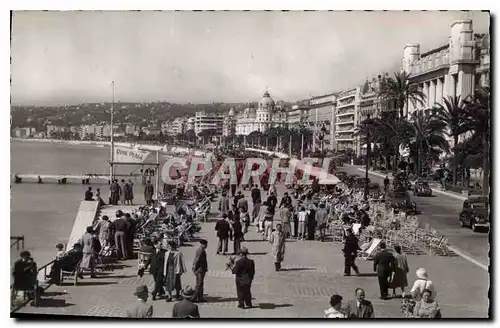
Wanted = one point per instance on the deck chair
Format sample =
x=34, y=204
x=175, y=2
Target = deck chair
x=370, y=252
x=71, y=274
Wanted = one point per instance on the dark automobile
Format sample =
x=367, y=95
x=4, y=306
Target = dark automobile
x=475, y=214
x=400, y=200
x=422, y=188
x=401, y=181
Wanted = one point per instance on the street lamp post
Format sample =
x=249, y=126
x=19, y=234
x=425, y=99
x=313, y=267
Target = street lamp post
x=367, y=122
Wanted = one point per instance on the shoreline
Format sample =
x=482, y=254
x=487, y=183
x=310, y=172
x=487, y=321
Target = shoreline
x=165, y=149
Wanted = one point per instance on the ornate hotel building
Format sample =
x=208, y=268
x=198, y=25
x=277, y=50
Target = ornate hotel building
x=267, y=114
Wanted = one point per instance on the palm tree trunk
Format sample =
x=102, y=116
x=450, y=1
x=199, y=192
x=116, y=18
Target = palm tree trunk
x=455, y=160
x=486, y=165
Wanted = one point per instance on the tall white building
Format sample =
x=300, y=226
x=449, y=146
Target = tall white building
x=204, y=121
x=347, y=118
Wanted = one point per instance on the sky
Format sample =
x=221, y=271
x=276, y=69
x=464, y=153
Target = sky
x=201, y=57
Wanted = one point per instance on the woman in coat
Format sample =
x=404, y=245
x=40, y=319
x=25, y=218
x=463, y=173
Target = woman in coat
x=277, y=239
x=400, y=279
x=173, y=269
x=25, y=274
x=88, y=242
x=123, y=191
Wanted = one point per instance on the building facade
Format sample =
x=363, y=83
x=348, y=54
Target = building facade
x=454, y=69
x=347, y=118
x=204, y=121
x=322, y=114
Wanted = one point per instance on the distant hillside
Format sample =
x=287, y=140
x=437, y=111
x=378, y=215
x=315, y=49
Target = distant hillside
x=94, y=113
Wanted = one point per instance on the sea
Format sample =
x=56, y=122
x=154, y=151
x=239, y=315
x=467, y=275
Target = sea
x=45, y=213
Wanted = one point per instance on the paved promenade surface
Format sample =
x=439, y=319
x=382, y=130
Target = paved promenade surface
x=441, y=212
x=313, y=271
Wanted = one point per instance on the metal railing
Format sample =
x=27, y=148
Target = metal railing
x=17, y=240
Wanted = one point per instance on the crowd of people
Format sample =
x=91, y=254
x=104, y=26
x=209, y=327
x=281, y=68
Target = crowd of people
x=301, y=213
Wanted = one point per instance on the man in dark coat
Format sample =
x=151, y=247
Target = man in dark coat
x=156, y=269
x=233, y=190
x=350, y=250
x=148, y=193
x=236, y=234
x=222, y=227
x=89, y=195
x=383, y=264
x=360, y=308
x=256, y=199
x=186, y=308
x=115, y=193
x=271, y=202
x=285, y=200
x=244, y=269
x=130, y=233
x=200, y=268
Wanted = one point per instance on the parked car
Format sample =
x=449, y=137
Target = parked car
x=422, y=188
x=475, y=214
x=400, y=200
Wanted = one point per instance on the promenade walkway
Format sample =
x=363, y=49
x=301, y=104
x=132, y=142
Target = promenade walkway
x=313, y=271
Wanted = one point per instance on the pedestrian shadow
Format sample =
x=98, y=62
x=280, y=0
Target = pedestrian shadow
x=252, y=240
x=49, y=294
x=119, y=266
x=297, y=269
x=219, y=299
x=53, y=303
x=368, y=274
x=95, y=283
x=258, y=253
x=121, y=276
x=272, y=306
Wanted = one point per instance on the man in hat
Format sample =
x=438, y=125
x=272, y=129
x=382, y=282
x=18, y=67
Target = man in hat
x=222, y=227
x=186, y=308
x=350, y=250
x=156, y=268
x=141, y=309
x=200, y=268
x=244, y=269
x=383, y=264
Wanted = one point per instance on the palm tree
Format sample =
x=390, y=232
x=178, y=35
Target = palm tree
x=427, y=133
x=477, y=120
x=452, y=113
x=399, y=90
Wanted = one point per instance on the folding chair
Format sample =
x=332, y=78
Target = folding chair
x=70, y=274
